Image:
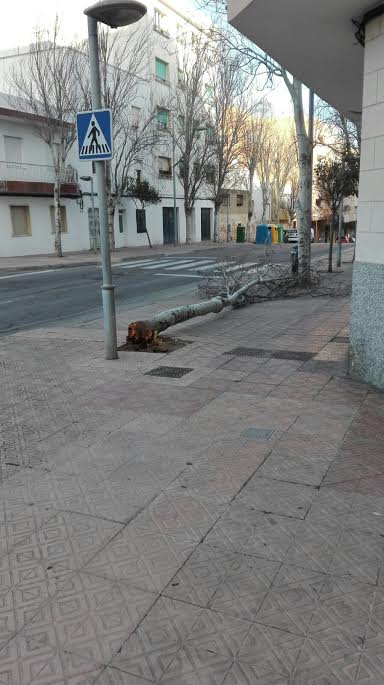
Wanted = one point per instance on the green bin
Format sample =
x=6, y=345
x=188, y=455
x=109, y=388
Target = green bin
x=280, y=231
x=240, y=233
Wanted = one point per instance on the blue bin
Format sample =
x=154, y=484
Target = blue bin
x=263, y=235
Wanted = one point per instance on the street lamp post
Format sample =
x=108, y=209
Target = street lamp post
x=89, y=179
x=175, y=222
x=113, y=13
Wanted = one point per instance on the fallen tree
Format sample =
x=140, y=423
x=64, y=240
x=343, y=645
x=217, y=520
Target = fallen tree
x=234, y=284
x=230, y=289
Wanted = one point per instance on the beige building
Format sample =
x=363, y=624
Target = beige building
x=233, y=211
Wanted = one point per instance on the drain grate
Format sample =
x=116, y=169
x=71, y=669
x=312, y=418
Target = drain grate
x=257, y=433
x=169, y=371
x=249, y=352
x=340, y=339
x=294, y=355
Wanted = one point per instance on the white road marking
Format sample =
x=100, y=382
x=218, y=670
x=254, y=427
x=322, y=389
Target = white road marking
x=30, y=273
x=132, y=265
x=179, y=275
x=189, y=265
x=167, y=264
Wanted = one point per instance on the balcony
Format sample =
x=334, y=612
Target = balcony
x=18, y=178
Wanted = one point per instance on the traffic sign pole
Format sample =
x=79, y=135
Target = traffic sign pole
x=107, y=289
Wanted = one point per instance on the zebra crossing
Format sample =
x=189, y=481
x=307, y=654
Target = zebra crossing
x=182, y=268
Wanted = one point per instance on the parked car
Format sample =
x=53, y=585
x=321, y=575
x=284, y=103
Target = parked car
x=291, y=236
x=344, y=239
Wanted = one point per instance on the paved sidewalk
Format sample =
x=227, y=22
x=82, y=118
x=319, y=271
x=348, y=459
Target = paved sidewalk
x=224, y=527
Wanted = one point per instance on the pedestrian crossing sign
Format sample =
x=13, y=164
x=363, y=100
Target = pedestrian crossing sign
x=94, y=134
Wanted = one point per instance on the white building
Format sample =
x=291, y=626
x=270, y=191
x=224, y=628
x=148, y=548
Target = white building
x=337, y=48
x=26, y=172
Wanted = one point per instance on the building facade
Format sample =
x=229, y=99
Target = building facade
x=26, y=172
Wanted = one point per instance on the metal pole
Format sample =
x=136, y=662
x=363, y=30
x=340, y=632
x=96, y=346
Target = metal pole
x=107, y=289
x=339, y=232
x=311, y=122
x=175, y=223
x=93, y=218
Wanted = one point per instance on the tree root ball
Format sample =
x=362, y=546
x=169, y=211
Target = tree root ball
x=140, y=332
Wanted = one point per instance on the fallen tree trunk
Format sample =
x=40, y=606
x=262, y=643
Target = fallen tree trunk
x=146, y=331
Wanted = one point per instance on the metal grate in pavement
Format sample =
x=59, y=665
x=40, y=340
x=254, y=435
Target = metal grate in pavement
x=249, y=352
x=169, y=371
x=294, y=355
x=257, y=433
x=340, y=339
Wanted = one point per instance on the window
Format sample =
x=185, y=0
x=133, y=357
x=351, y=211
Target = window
x=208, y=90
x=21, y=221
x=138, y=175
x=141, y=222
x=160, y=23
x=226, y=200
x=165, y=167
x=162, y=118
x=210, y=134
x=12, y=149
x=121, y=220
x=136, y=111
x=161, y=70
x=239, y=200
x=63, y=214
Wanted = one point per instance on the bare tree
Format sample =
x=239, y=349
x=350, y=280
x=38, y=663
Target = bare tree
x=190, y=112
x=335, y=131
x=289, y=199
x=284, y=163
x=45, y=85
x=125, y=74
x=265, y=164
x=229, y=108
x=251, y=145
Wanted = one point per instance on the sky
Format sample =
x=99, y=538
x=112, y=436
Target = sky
x=19, y=19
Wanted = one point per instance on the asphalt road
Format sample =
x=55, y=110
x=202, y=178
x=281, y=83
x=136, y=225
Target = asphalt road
x=72, y=295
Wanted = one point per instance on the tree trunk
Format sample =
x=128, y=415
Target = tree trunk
x=146, y=331
x=216, y=225
x=188, y=226
x=250, y=206
x=149, y=240
x=57, y=213
x=111, y=225
x=331, y=239
x=303, y=208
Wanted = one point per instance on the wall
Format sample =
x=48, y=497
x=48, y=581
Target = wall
x=367, y=324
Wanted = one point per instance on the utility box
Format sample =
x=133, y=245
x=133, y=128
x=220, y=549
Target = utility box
x=263, y=236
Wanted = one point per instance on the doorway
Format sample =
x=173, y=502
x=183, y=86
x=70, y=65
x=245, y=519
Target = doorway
x=169, y=229
x=205, y=224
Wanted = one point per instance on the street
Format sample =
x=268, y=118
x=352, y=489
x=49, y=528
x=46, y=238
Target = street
x=32, y=299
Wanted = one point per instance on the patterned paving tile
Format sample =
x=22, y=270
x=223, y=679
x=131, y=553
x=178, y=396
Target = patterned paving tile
x=143, y=559
x=113, y=676
x=246, y=674
x=270, y=651
x=64, y=543
x=296, y=469
x=228, y=582
x=371, y=668
x=331, y=505
x=177, y=511
x=208, y=481
x=151, y=649
x=213, y=642
x=81, y=628
x=292, y=599
x=314, y=546
x=359, y=555
x=277, y=497
x=342, y=613
x=318, y=666
x=252, y=532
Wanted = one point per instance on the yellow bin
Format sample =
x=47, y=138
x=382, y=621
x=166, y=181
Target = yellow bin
x=274, y=231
